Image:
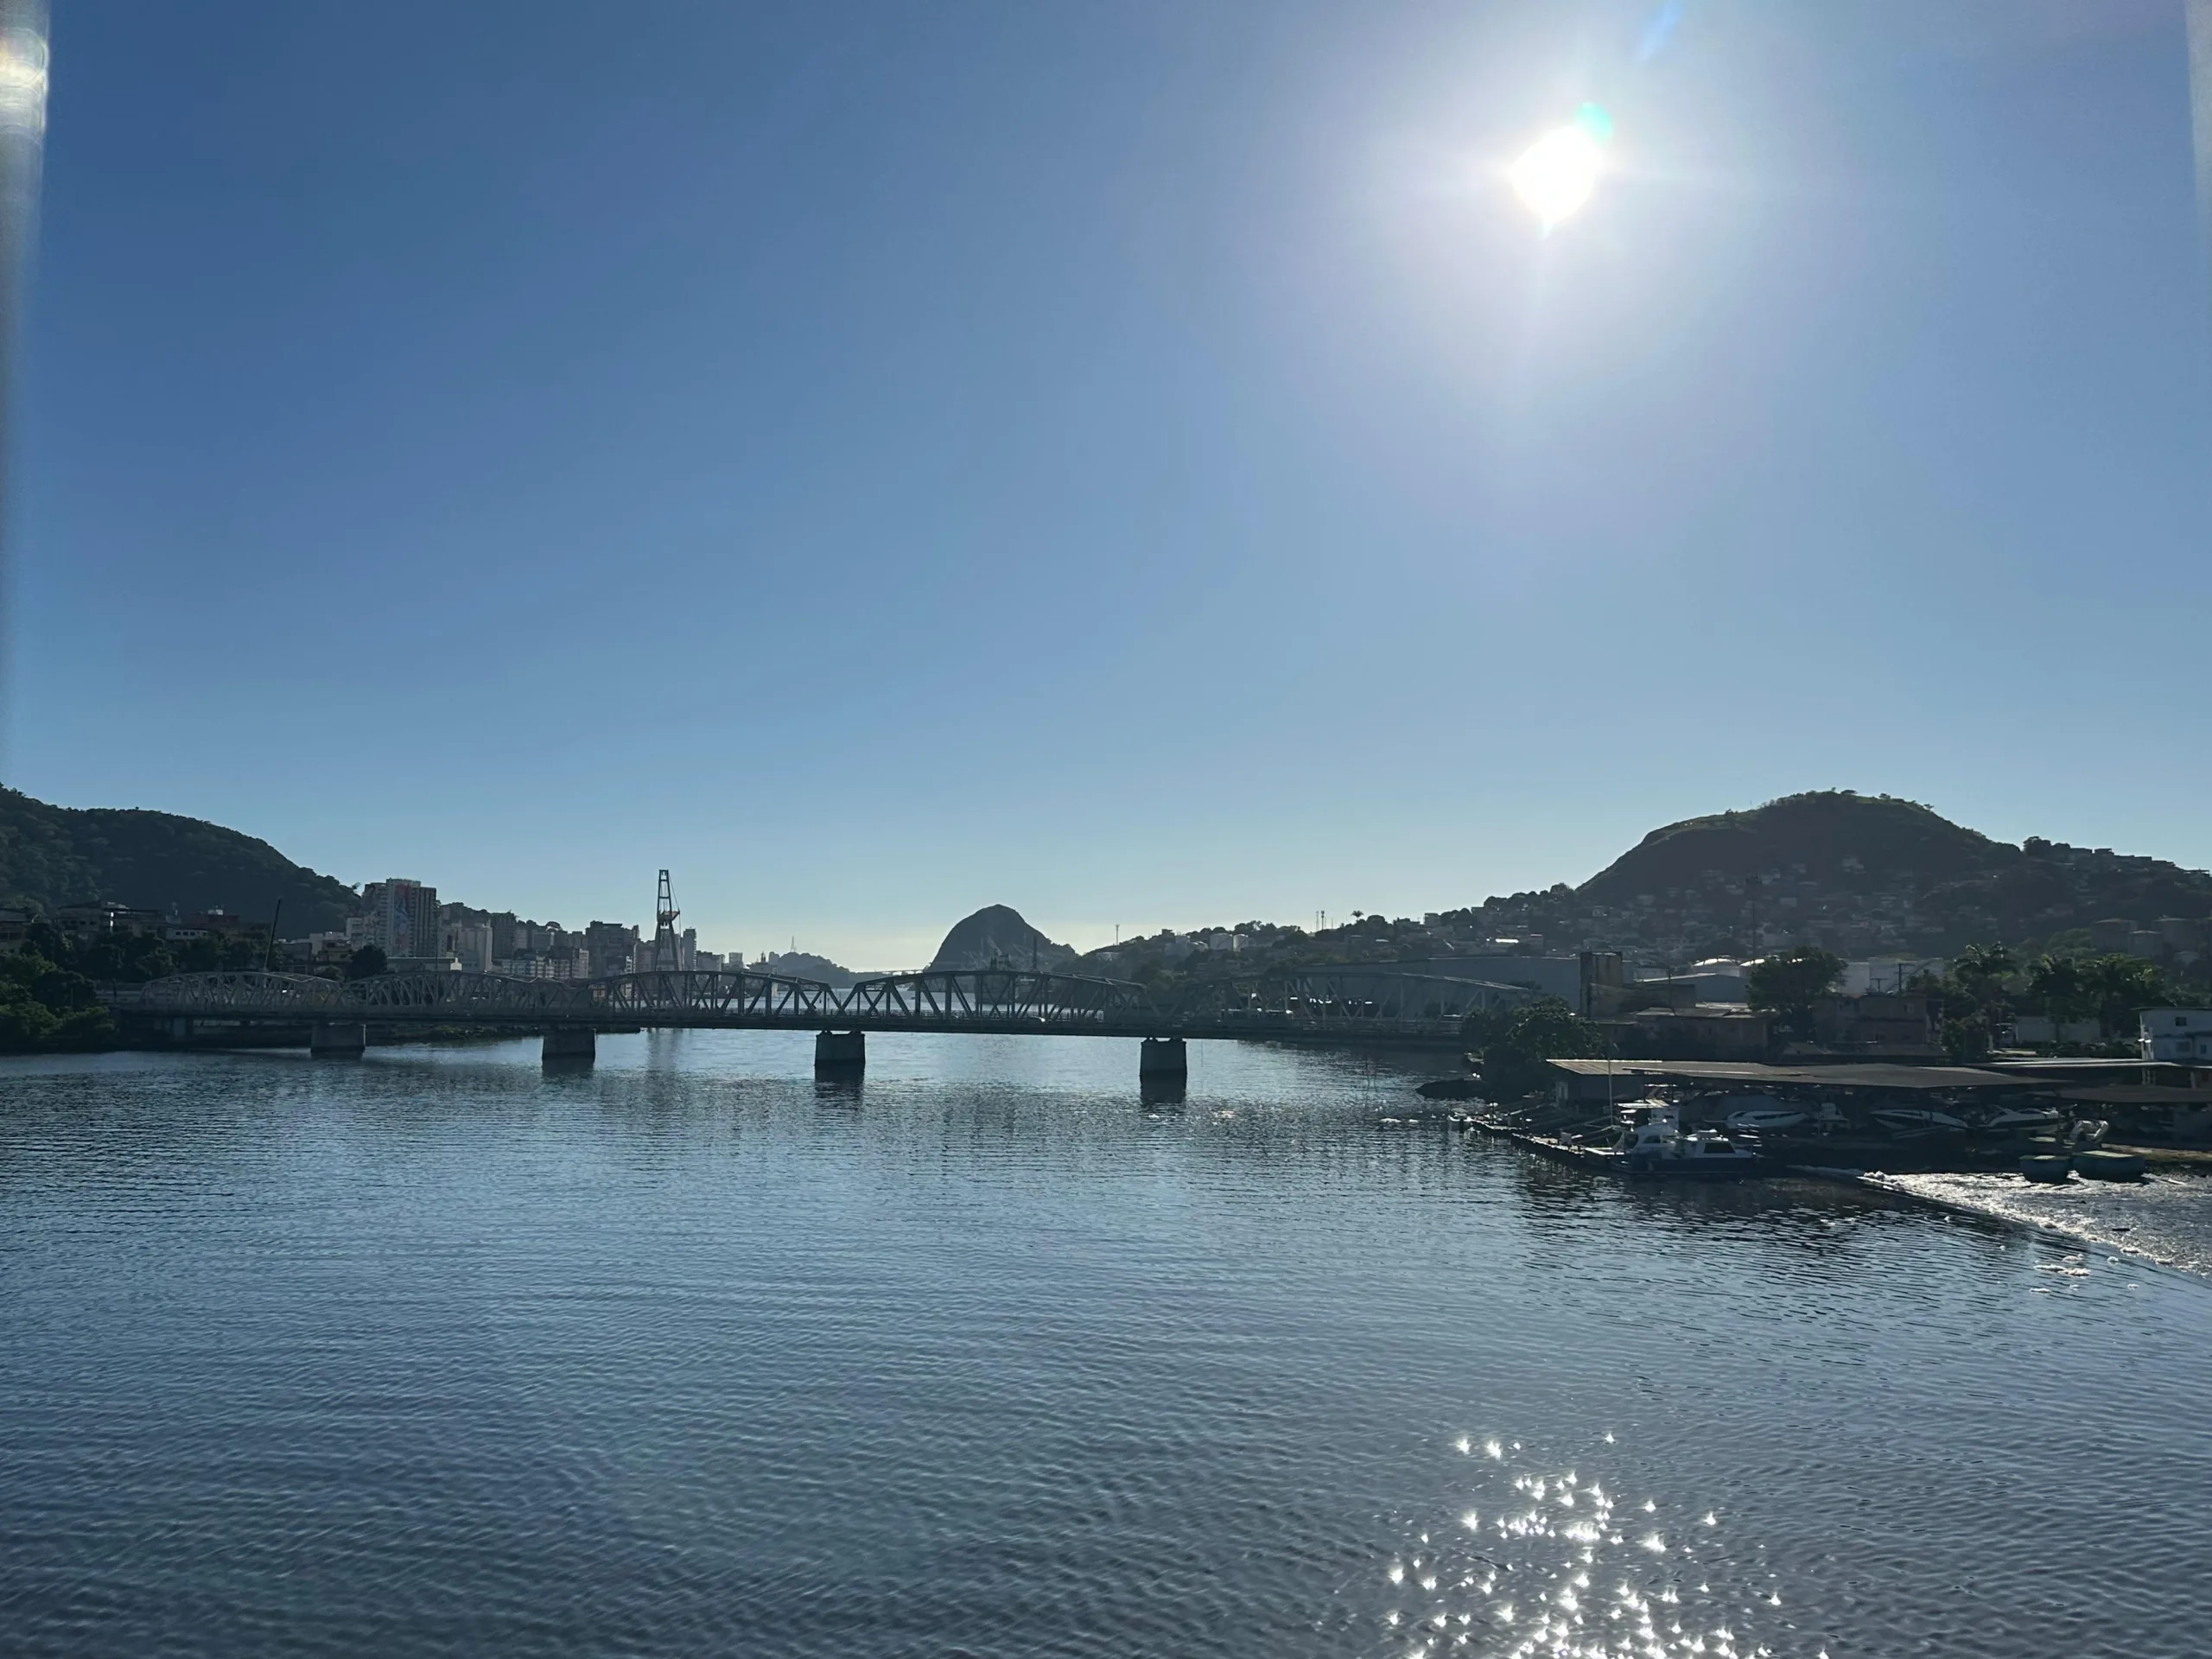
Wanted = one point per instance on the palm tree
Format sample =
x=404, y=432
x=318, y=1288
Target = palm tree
x=2054, y=985
x=2121, y=986
x=1983, y=963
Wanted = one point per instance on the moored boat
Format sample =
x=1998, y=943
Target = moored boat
x=1917, y=1119
x=1654, y=1146
x=2024, y=1120
x=2052, y=1168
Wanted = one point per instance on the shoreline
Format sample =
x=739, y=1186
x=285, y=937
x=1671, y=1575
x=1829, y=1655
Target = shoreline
x=2079, y=1215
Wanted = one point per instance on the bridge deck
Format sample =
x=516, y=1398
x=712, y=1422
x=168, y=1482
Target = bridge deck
x=1343, y=1004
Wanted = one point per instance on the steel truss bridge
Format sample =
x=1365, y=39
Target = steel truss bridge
x=1340, y=1004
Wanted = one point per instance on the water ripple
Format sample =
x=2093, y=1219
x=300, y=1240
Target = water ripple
x=435, y=1355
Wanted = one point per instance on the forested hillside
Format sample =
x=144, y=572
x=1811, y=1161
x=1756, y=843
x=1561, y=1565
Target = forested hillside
x=54, y=855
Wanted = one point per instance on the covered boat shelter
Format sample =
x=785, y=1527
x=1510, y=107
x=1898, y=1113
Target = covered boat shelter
x=1596, y=1082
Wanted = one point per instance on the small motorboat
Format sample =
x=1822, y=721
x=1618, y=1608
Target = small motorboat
x=1917, y=1121
x=2053, y=1169
x=2101, y=1165
x=1768, y=1119
x=1775, y=1118
x=2024, y=1120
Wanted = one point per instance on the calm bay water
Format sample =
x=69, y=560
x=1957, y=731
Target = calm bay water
x=437, y=1355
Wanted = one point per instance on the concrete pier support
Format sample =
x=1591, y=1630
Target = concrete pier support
x=570, y=1045
x=1163, y=1057
x=337, y=1039
x=840, y=1051
x=1164, y=1089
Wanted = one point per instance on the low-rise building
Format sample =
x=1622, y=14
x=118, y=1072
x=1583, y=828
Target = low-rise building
x=2109, y=936
x=212, y=924
x=2182, y=932
x=1715, y=1034
x=1908, y=1026
x=82, y=925
x=2177, y=1036
x=1563, y=977
x=1881, y=976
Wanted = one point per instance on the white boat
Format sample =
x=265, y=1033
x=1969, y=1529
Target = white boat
x=1775, y=1118
x=1768, y=1119
x=1654, y=1146
x=2024, y=1119
x=1917, y=1120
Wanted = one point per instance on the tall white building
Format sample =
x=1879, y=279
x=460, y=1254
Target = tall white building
x=402, y=917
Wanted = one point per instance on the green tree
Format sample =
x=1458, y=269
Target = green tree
x=1975, y=996
x=1514, y=1043
x=25, y=1025
x=2119, y=987
x=1980, y=965
x=44, y=1004
x=2057, y=990
x=127, y=958
x=367, y=962
x=1787, y=986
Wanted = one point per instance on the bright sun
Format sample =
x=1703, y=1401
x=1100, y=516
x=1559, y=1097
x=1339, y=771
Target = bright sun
x=1557, y=174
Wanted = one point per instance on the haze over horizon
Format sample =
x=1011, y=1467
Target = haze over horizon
x=1141, y=464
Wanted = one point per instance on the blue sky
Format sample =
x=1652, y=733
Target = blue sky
x=1137, y=462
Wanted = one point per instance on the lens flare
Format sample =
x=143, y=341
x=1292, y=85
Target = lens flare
x=1556, y=174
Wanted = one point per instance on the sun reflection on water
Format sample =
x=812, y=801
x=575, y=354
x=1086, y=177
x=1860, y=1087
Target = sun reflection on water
x=1541, y=1566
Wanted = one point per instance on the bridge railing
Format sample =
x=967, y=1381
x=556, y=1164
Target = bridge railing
x=998, y=997
x=1350, y=1002
x=732, y=998
x=940, y=1000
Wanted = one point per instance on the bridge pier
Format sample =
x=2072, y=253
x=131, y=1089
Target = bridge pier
x=337, y=1039
x=1161, y=1058
x=570, y=1045
x=840, y=1051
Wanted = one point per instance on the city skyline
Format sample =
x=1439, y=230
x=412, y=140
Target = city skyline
x=1138, y=467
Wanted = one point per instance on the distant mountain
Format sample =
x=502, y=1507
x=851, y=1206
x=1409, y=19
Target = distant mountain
x=996, y=936
x=55, y=855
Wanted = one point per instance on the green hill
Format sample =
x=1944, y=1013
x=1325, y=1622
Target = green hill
x=1858, y=873
x=1833, y=837
x=55, y=855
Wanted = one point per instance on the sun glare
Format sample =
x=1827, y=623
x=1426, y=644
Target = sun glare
x=1556, y=174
